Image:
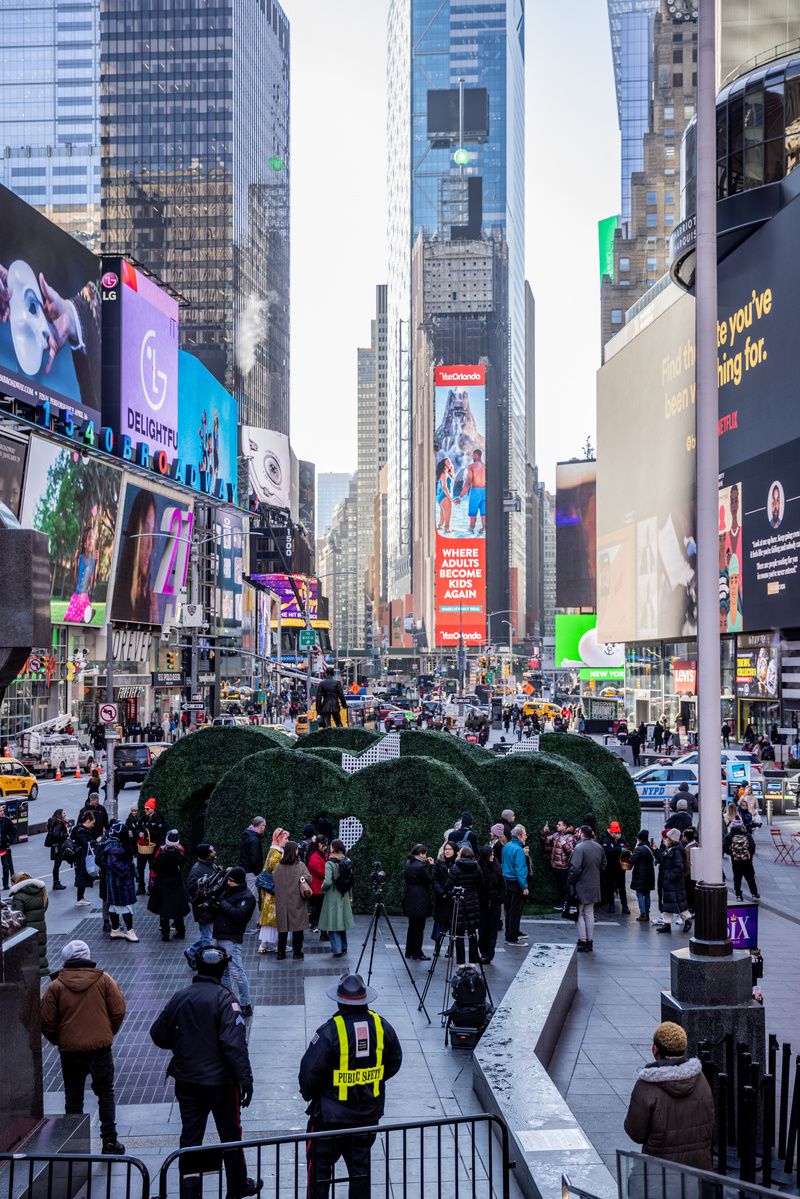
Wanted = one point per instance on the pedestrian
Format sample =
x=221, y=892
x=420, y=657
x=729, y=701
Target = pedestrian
x=658, y=736
x=268, y=932
x=234, y=909
x=202, y=1026
x=635, y=743
x=82, y=1010
x=491, y=899
x=418, y=876
x=336, y=913
x=740, y=848
x=613, y=879
x=515, y=876
x=586, y=867
x=93, y=784
x=643, y=874
x=466, y=876
x=463, y=833
x=29, y=896
x=558, y=847
x=683, y=792
x=292, y=890
x=673, y=899
x=150, y=836
x=330, y=700
x=168, y=898
x=315, y=861
x=508, y=819
x=57, y=833
x=681, y=818
x=690, y=846
x=642, y=731
x=84, y=836
x=98, y=811
x=726, y=735
x=343, y=1077
x=442, y=900
x=8, y=837
x=251, y=852
x=202, y=910
x=671, y=1111
x=120, y=883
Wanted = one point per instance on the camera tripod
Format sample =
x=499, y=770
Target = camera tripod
x=453, y=937
x=371, y=936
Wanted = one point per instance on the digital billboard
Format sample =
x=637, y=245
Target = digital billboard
x=307, y=499
x=13, y=451
x=646, y=549
x=577, y=647
x=460, y=499
x=75, y=501
x=576, y=534
x=153, y=556
x=269, y=466
x=229, y=530
x=281, y=585
x=208, y=419
x=758, y=666
x=50, y=322
x=140, y=358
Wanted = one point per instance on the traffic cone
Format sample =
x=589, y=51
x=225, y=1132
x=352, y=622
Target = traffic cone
x=77, y=773
x=8, y=752
x=58, y=774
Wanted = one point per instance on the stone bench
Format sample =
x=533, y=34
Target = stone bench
x=509, y=1076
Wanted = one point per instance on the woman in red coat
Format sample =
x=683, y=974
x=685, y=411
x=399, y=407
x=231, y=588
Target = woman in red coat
x=317, y=857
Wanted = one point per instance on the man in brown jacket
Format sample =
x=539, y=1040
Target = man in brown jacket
x=671, y=1112
x=82, y=1009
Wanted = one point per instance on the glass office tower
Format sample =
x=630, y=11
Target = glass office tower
x=436, y=44
x=195, y=158
x=631, y=24
x=49, y=110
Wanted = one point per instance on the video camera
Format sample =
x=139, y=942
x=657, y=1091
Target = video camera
x=209, y=889
x=378, y=876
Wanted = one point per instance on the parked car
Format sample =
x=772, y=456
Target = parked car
x=16, y=779
x=726, y=755
x=132, y=760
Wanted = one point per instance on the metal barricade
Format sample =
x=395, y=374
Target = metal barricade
x=466, y=1157
x=643, y=1177
x=68, y=1175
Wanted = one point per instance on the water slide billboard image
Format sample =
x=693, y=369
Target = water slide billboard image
x=460, y=499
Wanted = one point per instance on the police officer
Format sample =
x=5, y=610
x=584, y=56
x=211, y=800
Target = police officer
x=203, y=1027
x=343, y=1076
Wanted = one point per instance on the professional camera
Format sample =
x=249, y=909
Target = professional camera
x=207, y=892
x=378, y=876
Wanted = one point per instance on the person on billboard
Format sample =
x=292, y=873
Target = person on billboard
x=475, y=487
x=135, y=599
x=734, y=605
x=776, y=505
x=444, y=494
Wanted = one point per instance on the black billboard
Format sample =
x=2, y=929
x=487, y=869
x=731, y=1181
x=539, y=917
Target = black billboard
x=443, y=115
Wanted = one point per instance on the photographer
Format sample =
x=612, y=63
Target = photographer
x=492, y=897
x=203, y=905
x=466, y=882
x=418, y=875
x=235, y=907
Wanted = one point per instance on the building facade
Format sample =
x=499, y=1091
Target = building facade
x=195, y=174
x=549, y=566
x=337, y=559
x=372, y=442
x=332, y=488
x=50, y=111
x=631, y=26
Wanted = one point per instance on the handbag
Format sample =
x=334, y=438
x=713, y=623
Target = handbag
x=305, y=889
x=266, y=882
x=91, y=865
x=570, y=909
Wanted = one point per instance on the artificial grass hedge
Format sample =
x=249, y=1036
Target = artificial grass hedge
x=398, y=802
x=608, y=769
x=353, y=739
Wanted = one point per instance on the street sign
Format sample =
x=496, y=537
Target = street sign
x=308, y=638
x=193, y=707
x=109, y=713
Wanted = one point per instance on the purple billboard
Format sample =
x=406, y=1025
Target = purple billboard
x=140, y=363
x=281, y=585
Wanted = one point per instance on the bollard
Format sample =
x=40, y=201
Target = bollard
x=783, y=1102
x=747, y=1135
x=731, y=1092
x=768, y=1127
x=772, y=1054
x=791, y=1134
x=722, y=1123
x=742, y=1079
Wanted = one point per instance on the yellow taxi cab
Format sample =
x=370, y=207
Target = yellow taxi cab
x=301, y=724
x=15, y=779
x=542, y=709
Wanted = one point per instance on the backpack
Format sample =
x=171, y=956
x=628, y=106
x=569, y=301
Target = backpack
x=70, y=851
x=344, y=877
x=740, y=850
x=468, y=988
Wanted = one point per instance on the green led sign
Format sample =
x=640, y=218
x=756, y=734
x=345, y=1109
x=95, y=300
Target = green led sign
x=462, y=157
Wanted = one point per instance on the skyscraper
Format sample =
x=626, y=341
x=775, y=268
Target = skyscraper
x=631, y=24
x=436, y=48
x=332, y=488
x=49, y=110
x=196, y=167
x=372, y=438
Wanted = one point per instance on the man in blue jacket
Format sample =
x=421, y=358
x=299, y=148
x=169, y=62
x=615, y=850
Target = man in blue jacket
x=515, y=873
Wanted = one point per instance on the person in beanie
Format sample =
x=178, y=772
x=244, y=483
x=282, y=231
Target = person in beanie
x=671, y=1111
x=233, y=914
x=614, y=875
x=343, y=1078
x=151, y=832
x=202, y=1026
x=673, y=898
x=643, y=874
x=204, y=915
x=464, y=835
x=681, y=819
x=167, y=893
x=120, y=883
x=81, y=1012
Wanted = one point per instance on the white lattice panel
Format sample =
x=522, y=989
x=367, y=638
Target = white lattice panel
x=388, y=747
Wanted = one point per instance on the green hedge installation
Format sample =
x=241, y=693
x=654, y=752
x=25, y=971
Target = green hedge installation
x=353, y=739
x=444, y=747
x=608, y=769
x=327, y=752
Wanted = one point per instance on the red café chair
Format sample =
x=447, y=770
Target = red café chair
x=782, y=850
x=794, y=849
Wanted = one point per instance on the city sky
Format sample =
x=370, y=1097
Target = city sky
x=339, y=212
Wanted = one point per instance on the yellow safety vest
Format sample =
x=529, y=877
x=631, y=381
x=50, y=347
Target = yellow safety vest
x=344, y=1077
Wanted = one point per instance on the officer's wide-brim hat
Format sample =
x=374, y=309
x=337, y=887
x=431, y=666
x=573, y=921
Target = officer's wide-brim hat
x=352, y=991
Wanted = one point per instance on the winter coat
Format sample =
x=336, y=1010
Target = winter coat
x=464, y=836
x=316, y=871
x=337, y=909
x=167, y=892
x=202, y=1027
x=494, y=885
x=613, y=851
x=120, y=883
x=30, y=898
x=236, y=906
x=291, y=911
x=82, y=1009
x=8, y=832
x=467, y=874
x=330, y=696
x=56, y=835
x=442, y=901
x=200, y=869
x=83, y=837
x=560, y=846
x=268, y=916
x=680, y=820
x=251, y=852
x=417, y=894
x=586, y=865
x=99, y=813
x=671, y=1113
x=515, y=863
x=674, y=879
x=643, y=873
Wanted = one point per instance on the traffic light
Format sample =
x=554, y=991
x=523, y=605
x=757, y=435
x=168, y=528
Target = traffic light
x=170, y=659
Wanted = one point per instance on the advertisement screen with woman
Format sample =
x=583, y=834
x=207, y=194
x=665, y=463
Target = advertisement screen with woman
x=153, y=557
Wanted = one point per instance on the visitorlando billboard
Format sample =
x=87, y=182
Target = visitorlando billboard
x=460, y=499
